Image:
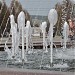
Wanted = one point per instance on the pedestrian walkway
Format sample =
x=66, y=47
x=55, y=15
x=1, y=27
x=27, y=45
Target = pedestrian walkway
x=8, y=71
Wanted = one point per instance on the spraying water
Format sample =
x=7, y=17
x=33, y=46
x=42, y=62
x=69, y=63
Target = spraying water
x=65, y=34
x=14, y=34
x=52, y=17
x=43, y=28
x=21, y=24
x=28, y=34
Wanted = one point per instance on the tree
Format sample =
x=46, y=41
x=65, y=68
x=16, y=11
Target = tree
x=58, y=7
x=0, y=5
x=15, y=8
x=64, y=11
x=3, y=17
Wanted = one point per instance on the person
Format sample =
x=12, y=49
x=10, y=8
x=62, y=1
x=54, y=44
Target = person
x=71, y=28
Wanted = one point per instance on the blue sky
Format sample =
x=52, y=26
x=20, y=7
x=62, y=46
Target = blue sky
x=37, y=7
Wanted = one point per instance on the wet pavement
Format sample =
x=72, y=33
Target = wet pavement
x=8, y=71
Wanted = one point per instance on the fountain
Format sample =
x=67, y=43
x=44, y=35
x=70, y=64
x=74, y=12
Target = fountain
x=13, y=32
x=52, y=17
x=65, y=34
x=27, y=57
x=28, y=31
x=21, y=26
x=43, y=28
x=13, y=51
x=9, y=52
